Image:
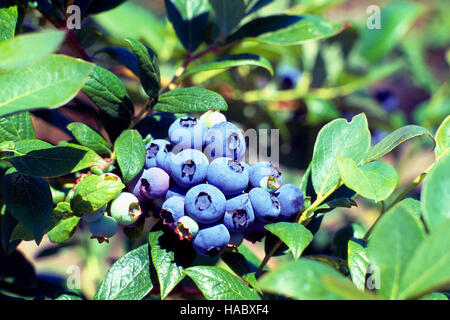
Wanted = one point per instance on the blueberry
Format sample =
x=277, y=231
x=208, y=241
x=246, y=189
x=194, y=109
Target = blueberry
x=265, y=205
x=288, y=77
x=176, y=190
x=263, y=169
x=225, y=140
x=211, y=118
x=230, y=176
x=205, y=203
x=156, y=150
x=188, y=168
x=150, y=184
x=94, y=216
x=125, y=209
x=238, y=213
x=105, y=227
x=186, y=228
x=236, y=239
x=256, y=231
x=388, y=99
x=172, y=210
x=187, y=133
x=211, y=239
x=291, y=200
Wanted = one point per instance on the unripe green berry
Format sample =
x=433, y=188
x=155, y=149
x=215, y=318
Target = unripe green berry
x=105, y=227
x=125, y=209
x=187, y=228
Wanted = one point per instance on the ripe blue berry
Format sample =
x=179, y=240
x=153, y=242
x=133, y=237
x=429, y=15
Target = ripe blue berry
x=225, y=140
x=186, y=228
x=230, y=176
x=125, y=209
x=187, y=133
x=188, y=168
x=291, y=200
x=150, y=184
x=211, y=239
x=105, y=227
x=94, y=216
x=256, y=231
x=172, y=210
x=265, y=205
x=156, y=150
x=263, y=169
x=176, y=190
x=238, y=213
x=205, y=203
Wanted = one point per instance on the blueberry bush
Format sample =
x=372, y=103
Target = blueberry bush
x=123, y=149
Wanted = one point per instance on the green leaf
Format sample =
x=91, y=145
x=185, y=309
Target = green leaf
x=108, y=92
x=374, y=180
x=192, y=99
x=394, y=139
x=358, y=262
x=64, y=230
x=189, y=18
x=218, y=284
x=237, y=263
x=47, y=84
x=435, y=296
x=338, y=138
x=435, y=192
x=320, y=110
x=147, y=66
x=443, y=138
x=15, y=53
x=346, y=289
x=429, y=268
x=227, y=62
x=128, y=278
x=227, y=14
x=29, y=201
x=294, y=235
x=129, y=149
x=170, y=272
x=8, y=20
x=396, y=19
x=392, y=244
x=55, y=161
x=90, y=138
x=286, y=30
x=16, y=127
x=301, y=279
x=92, y=193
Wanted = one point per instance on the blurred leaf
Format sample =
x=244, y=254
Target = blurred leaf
x=92, y=193
x=435, y=209
x=189, y=18
x=128, y=278
x=301, y=279
x=170, y=272
x=347, y=290
x=191, y=99
x=230, y=62
x=431, y=113
x=320, y=110
x=338, y=138
x=429, y=268
x=394, y=139
x=15, y=53
x=147, y=67
x=29, y=201
x=286, y=29
x=16, y=127
x=227, y=14
x=132, y=20
x=396, y=19
x=55, y=161
x=47, y=84
x=294, y=235
x=107, y=91
x=374, y=180
x=8, y=20
x=358, y=262
x=90, y=138
x=255, y=5
x=392, y=244
x=435, y=296
x=64, y=230
x=442, y=138
x=217, y=284
x=129, y=149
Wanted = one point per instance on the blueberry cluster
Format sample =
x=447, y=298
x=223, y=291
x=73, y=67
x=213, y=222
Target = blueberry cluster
x=208, y=195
